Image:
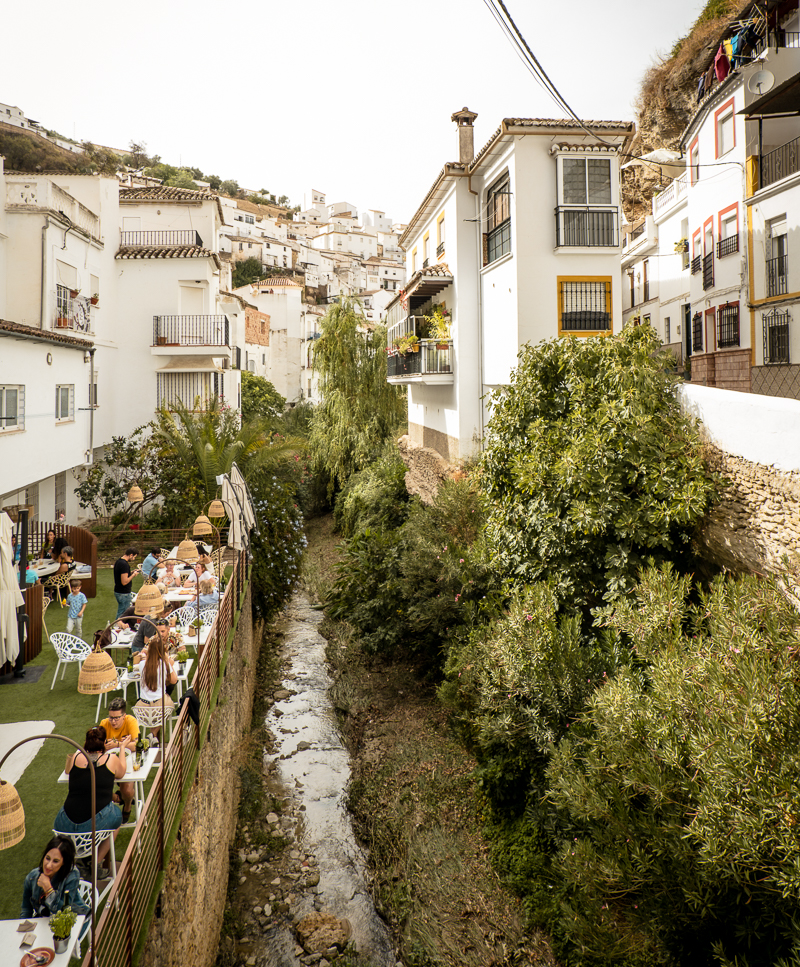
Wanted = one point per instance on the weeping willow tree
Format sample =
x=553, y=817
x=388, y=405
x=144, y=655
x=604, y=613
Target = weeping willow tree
x=360, y=411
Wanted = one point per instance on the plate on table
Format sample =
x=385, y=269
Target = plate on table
x=38, y=957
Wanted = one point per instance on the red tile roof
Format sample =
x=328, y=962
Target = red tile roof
x=44, y=335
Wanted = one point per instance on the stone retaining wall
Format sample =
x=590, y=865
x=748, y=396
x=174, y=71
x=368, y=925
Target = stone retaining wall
x=186, y=926
x=427, y=469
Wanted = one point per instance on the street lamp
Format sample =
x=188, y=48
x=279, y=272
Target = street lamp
x=12, y=817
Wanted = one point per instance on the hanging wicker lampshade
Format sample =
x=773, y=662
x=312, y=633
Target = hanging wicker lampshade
x=149, y=600
x=187, y=552
x=98, y=674
x=135, y=494
x=216, y=509
x=202, y=526
x=12, y=816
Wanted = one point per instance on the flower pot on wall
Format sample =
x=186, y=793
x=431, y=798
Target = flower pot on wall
x=73, y=293
x=62, y=322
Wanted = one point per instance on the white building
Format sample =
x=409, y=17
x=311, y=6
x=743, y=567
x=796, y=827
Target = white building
x=485, y=244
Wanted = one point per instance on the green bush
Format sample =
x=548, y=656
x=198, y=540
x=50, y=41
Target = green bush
x=590, y=467
x=679, y=791
x=375, y=497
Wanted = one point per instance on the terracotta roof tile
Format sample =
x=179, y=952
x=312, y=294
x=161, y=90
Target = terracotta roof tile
x=165, y=193
x=277, y=281
x=168, y=252
x=44, y=335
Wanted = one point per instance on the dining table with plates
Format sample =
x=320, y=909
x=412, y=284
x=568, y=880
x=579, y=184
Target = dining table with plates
x=40, y=952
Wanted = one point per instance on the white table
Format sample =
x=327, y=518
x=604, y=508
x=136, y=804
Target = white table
x=178, y=596
x=137, y=778
x=44, y=567
x=10, y=951
x=183, y=676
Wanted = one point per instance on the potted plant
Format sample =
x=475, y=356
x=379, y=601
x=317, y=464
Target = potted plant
x=194, y=627
x=94, y=299
x=62, y=322
x=73, y=293
x=682, y=245
x=408, y=344
x=439, y=324
x=61, y=924
x=182, y=657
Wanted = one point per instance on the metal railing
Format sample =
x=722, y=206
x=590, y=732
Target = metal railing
x=159, y=239
x=72, y=312
x=697, y=264
x=434, y=358
x=726, y=246
x=708, y=271
x=776, y=336
x=191, y=331
x=697, y=332
x=195, y=391
x=727, y=326
x=440, y=248
x=122, y=927
x=780, y=163
x=777, y=275
x=589, y=227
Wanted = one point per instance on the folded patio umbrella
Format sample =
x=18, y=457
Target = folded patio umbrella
x=10, y=596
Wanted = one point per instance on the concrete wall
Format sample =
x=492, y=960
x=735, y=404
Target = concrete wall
x=754, y=443
x=186, y=926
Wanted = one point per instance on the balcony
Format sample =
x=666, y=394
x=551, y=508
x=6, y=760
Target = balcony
x=586, y=227
x=780, y=163
x=727, y=246
x=697, y=264
x=708, y=271
x=177, y=239
x=173, y=333
x=440, y=249
x=34, y=194
x=777, y=275
x=671, y=195
x=72, y=312
x=195, y=391
x=432, y=364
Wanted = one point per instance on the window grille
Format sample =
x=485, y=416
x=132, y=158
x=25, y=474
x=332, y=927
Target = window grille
x=726, y=246
x=585, y=306
x=498, y=236
x=776, y=336
x=666, y=330
x=193, y=390
x=728, y=325
x=697, y=332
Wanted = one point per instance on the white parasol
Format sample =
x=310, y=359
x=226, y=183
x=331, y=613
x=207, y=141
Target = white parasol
x=10, y=595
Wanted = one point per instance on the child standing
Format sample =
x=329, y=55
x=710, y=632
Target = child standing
x=76, y=602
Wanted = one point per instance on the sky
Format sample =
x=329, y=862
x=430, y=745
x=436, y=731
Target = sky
x=352, y=98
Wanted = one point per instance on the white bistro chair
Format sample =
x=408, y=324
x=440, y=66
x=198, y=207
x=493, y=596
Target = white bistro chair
x=89, y=900
x=149, y=717
x=69, y=648
x=83, y=848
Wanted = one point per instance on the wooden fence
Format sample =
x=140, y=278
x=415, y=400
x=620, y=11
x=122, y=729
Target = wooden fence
x=122, y=927
x=83, y=542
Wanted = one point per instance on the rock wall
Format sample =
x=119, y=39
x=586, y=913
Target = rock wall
x=756, y=525
x=427, y=469
x=186, y=925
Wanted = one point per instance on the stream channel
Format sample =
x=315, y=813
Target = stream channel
x=312, y=766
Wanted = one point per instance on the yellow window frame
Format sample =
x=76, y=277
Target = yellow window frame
x=605, y=279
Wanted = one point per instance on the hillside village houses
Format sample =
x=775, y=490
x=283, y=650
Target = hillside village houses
x=712, y=267
x=517, y=243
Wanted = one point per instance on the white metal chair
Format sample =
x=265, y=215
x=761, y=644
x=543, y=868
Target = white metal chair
x=83, y=848
x=45, y=605
x=69, y=648
x=149, y=717
x=185, y=614
x=208, y=615
x=85, y=893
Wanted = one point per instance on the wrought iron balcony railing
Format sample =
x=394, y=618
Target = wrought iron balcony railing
x=780, y=163
x=776, y=336
x=589, y=227
x=72, y=312
x=708, y=271
x=697, y=264
x=434, y=358
x=440, y=248
x=726, y=246
x=191, y=331
x=777, y=275
x=160, y=239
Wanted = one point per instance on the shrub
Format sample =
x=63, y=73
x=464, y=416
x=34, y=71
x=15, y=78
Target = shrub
x=375, y=497
x=680, y=789
x=590, y=467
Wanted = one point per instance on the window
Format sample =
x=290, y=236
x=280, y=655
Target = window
x=728, y=232
x=694, y=162
x=777, y=256
x=728, y=325
x=776, y=336
x=60, y=480
x=414, y=261
x=426, y=250
x=697, y=332
x=440, y=235
x=725, y=132
x=584, y=305
x=666, y=329
x=12, y=408
x=586, y=181
x=65, y=402
x=498, y=208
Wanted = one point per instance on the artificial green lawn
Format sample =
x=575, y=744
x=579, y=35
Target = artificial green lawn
x=42, y=796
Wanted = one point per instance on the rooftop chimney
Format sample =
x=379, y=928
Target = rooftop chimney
x=466, y=145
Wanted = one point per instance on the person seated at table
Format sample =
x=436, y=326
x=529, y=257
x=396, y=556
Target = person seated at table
x=15, y=549
x=209, y=595
x=58, y=546
x=198, y=573
x=150, y=563
x=119, y=726
x=158, y=670
x=204, y=558
x=75, y=816
x=167, y=577
x=46, y=887
x=47, y=547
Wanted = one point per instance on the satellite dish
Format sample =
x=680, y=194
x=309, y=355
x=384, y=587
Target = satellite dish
x=761, y=82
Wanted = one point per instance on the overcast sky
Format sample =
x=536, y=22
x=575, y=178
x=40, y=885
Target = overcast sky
x=353, y=98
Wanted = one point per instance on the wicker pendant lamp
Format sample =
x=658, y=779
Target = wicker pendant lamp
x=98, y=674
x=187, y=552
x=148, y=601
x=202, y=526
x=12, y=816
x=135, y=494
x=216, y=509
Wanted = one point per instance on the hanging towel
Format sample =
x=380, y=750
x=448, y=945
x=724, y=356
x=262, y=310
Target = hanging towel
x=710, y=78
x=721, y=64
x=736, y=59
x=701, y=88
x=728, y=48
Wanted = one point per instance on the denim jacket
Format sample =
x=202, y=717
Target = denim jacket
x=35, y=904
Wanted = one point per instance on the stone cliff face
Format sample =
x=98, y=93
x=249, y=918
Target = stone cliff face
x=666, y=101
